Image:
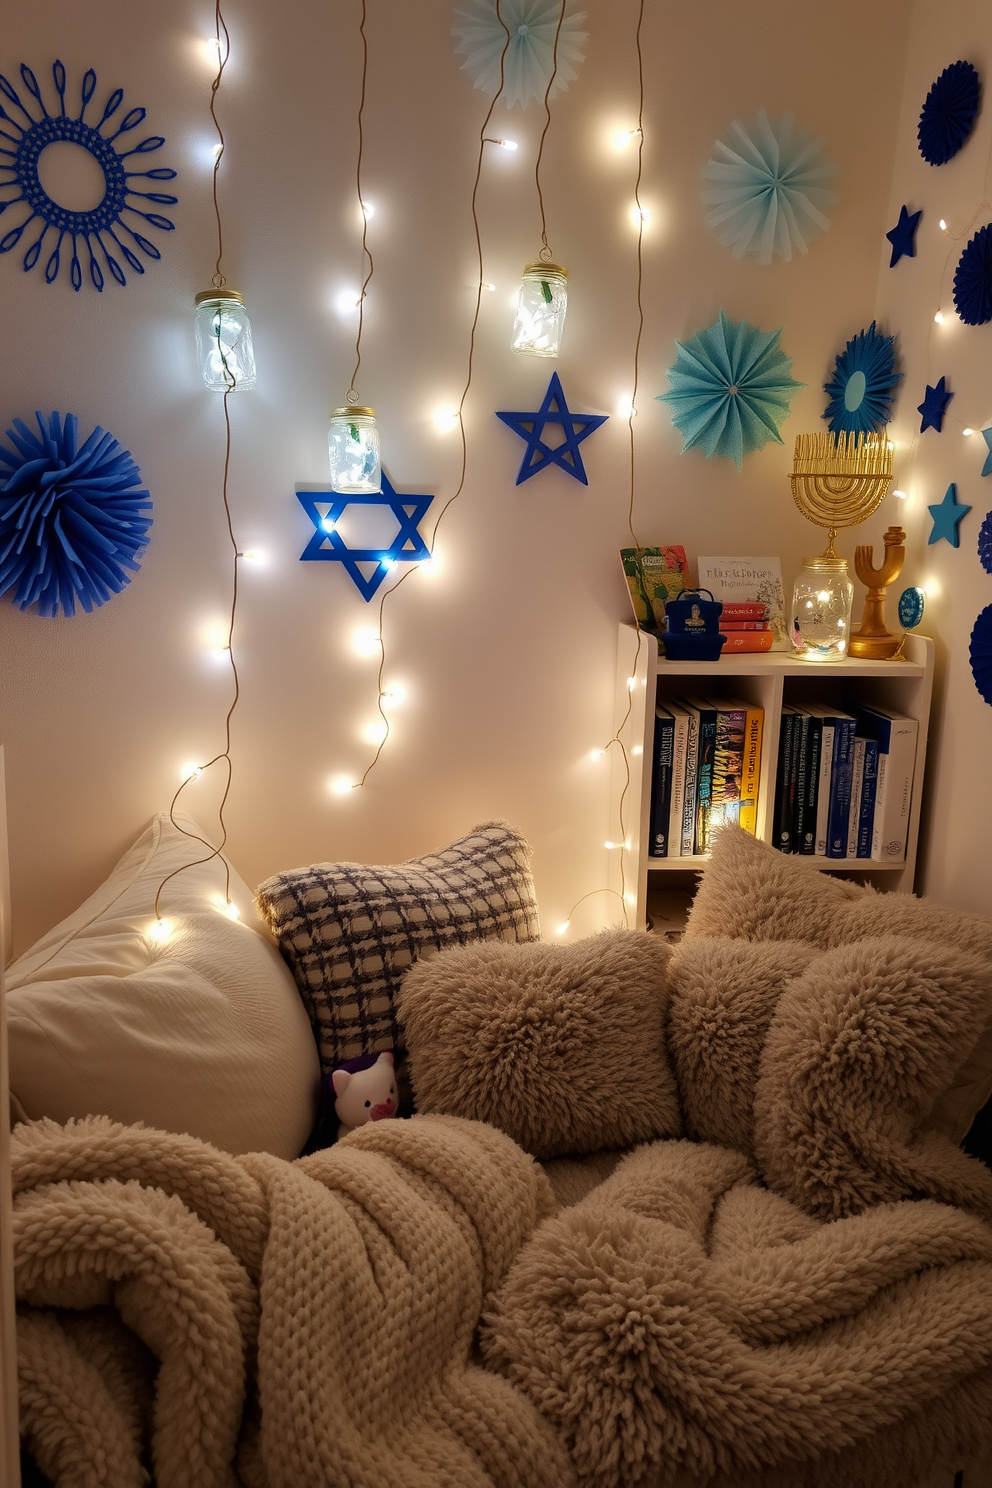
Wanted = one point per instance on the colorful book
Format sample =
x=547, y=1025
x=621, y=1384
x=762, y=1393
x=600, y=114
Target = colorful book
x=661, y=782
x=704, y=772
x=732, y=627
x=731, y=612
x=738, y=641
x=839, y=806
x=737, y=581
x=866, y=809
x=857, y=780
x=808, y=789
x=691, y=780
x=679, y=761
x=654, y=576
x=753, y=727
x=728, y=760
x=897, y=738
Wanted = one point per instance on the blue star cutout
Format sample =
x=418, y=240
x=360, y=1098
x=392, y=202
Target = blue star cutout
x=408, y=546
x=903, y=236
x=934, y=406
x=575, y=427
x=987, y=467
x=946, y=516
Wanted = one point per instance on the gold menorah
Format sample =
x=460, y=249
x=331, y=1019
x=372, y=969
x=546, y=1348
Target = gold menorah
x=838, y=480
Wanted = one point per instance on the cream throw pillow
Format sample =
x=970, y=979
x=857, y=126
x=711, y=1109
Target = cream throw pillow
x=204, y=1033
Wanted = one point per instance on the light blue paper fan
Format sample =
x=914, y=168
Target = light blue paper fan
x=730, y=389
x=530, y=56
x=771, y=188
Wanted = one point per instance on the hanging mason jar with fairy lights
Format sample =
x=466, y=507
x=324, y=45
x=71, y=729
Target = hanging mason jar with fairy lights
x=353, y=450
x=223, y=341
x=541, y=306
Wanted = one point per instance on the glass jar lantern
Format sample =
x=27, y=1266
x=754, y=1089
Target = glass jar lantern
x=223, y=341
x=541, y=307
x=821, y=609
x=353, y=451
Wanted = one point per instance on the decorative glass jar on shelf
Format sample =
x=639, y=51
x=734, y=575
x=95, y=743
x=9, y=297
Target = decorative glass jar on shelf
x=223, y=341
x=821, y=609
x=541, y=306
x=353, y=451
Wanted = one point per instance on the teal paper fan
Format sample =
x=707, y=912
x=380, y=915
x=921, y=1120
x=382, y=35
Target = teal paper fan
x=730, y=389
x=771, y=185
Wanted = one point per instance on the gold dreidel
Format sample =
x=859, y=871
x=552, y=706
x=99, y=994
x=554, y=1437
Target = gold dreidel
x=872, y=640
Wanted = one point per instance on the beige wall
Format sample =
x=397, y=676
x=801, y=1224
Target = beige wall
x=958, y=821
x=507, y=651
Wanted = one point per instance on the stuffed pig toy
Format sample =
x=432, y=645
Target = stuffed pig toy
x=366, y=1094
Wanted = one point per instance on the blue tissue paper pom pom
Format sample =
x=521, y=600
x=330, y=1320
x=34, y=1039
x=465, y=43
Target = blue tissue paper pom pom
x=980, y=653
x=973, y=280
x=948, y=113
x=71, y=522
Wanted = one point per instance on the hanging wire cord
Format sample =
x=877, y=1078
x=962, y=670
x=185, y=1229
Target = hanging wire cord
x=616, y=742
x=546, y=253
x=352, y=394
x=223, y=40
x=484, y=140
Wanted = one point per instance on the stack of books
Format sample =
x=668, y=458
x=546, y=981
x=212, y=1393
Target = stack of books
x=707, y=754
x=844, y=783
x=746, y=626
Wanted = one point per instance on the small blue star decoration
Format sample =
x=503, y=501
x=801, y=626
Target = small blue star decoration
x=575, y=427
x=934, y=406
x=947, y=515
x=903, y=236
x=328, y=545
x=987, y=436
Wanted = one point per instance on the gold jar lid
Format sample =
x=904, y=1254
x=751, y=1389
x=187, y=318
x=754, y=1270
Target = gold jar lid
x=825, y=564
x=219, y=294
x=359, y=409
x=546, y=268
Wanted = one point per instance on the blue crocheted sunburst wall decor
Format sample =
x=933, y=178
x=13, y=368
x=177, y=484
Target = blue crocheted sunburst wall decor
x=118, y=216
x=71, y=522
x=860, y=390
x=948, y=114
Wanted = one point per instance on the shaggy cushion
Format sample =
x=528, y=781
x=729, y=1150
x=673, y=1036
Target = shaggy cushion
x=560, y=1046
x=723, y=997
x=860, y=1047
x=751, y=892
x=350, y=931
x=201, y=1033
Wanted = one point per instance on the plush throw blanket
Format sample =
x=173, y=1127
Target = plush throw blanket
x=340, y=1293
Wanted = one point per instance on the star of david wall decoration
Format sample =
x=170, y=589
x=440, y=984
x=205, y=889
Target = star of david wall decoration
x=539, y=454
x=326, y=508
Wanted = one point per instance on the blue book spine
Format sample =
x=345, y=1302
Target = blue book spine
x=707, y=742
x=661, y=783
x=839, y=812
x=784, y=782
x=807, y=837
x=869, y=783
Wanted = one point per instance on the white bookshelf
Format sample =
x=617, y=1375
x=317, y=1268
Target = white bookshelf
x=768, y=679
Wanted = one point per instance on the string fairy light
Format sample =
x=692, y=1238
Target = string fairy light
x=161, y=930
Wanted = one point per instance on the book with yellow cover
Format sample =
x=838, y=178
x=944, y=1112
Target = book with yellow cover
x=753, y=726
x=654, y=576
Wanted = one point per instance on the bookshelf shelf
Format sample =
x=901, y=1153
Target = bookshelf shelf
x=768, y=679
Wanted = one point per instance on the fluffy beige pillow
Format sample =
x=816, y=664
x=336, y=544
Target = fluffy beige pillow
x=752, y=892
x=723, y=997
x=204, y=1033
x=561, y=1047
x=859, y=1049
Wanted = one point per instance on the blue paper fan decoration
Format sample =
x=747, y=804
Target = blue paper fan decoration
x=120, y=214
x=771, y=188
x=985, y=543
x=980, y=653
x=730, y=389
x=530, y=56
x=71, y=522
x=860, y=390
x=948, y=113
x=973, y=280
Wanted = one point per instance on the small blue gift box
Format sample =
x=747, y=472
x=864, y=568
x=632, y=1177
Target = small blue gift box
x=693, y=632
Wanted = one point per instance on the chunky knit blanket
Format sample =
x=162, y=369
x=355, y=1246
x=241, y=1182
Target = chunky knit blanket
x=165, y=1285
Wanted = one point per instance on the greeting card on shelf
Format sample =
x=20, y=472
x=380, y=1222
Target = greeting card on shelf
x=654, y=576
x=738, y=581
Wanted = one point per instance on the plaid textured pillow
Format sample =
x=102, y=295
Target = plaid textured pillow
x=349, y=931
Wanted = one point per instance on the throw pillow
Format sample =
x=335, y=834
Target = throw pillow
x=724, y=996
x=859, y=1049
x=560, y=1046
x=201, y=1032
x=752, y=892
x=350, y=931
